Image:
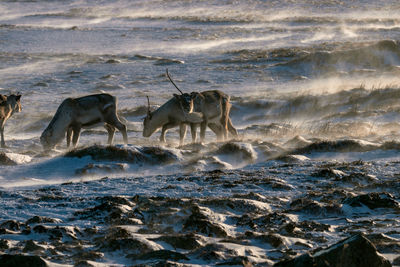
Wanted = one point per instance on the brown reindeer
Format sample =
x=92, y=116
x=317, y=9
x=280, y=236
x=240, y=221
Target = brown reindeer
x=215, y=107
x=76, y=113
x=178, y=111
x=8, y=105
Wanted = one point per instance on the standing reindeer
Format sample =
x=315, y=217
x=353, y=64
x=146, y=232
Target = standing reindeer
x=76, y=113
x=178, y=111
x=8, y=105
x=215, y=107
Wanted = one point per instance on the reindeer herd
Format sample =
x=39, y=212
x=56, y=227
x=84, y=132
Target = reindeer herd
x=208, y=108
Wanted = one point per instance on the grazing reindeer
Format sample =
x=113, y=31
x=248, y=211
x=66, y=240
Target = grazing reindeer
x=215, y=107
x=178, y=111
x=76, y=113
x=8, y=105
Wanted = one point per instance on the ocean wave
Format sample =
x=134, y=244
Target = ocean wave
x=315, y=60
x=379, y=56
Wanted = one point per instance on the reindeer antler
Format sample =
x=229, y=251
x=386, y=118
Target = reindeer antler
x=148, y=106
x=173, y=82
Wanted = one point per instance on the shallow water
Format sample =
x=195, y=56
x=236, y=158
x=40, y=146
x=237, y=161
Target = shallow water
x=311, y=83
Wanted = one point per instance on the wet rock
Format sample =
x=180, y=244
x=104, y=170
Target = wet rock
x=183, y=241
x=108, y=212
x=8, y=260
x=159, y=255
x=92, y=168
x=396, y=261
x=384, y=243
x=291, y=158
x=61, y=232
x=125, y=154
x=337, y=146
x=12, y=225
x=239, y=204
x=31, y=246
x=83, y=264
x=237, y=261
x=313, y=207
x=274, y=240
x=358, y=178
x=198, y=222
x=297, y=141
x=245, y=152
x=41, y=219
x=113, y=61
x=356, y=251
x=131, y=245
x=3, y=244
x=40, y=229
x=213, y=252
x=87, y=255
x=328, y=173
x=5, y=160
x=117, y=238
x=373, y=201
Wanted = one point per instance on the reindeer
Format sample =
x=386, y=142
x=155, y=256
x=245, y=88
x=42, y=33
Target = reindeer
x=215, y=107
x=76, y=113
x=8, y=106
x=178, y=111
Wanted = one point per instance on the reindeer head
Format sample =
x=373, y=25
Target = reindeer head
x=15, y=102
x=46, y=139
x=147, y=131
x=185, y=101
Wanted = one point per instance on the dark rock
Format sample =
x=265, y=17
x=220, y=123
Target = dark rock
x=272, y=239
x=236, y=261
x=396, y=261
x=310, y=206
x=12, y=225
x=198, y=222
x=7, y=260
x=113, y=61
x=96, y=168
x=83, y=264
x=336, y=146
x=160, y=255
x=155, y=155
x=5, y=160
x=356, y=251
x=31, y=246
x=87, y=255
x=236, y=149
x=328, y=173
x=40, y=219
x=213, y=252
x=3, y=244
x=373, y=201
x=187, y=241
x=40, y=229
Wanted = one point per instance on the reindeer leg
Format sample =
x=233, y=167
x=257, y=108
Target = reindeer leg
x=182, y=133
x=111, y=130
x=217, y=129
x=193, y=130
x=76, y=129
x=232, y=129
x=69, y=136
x=164, y=130
x=113, y=120
x=3, y=144
x=203, y=126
